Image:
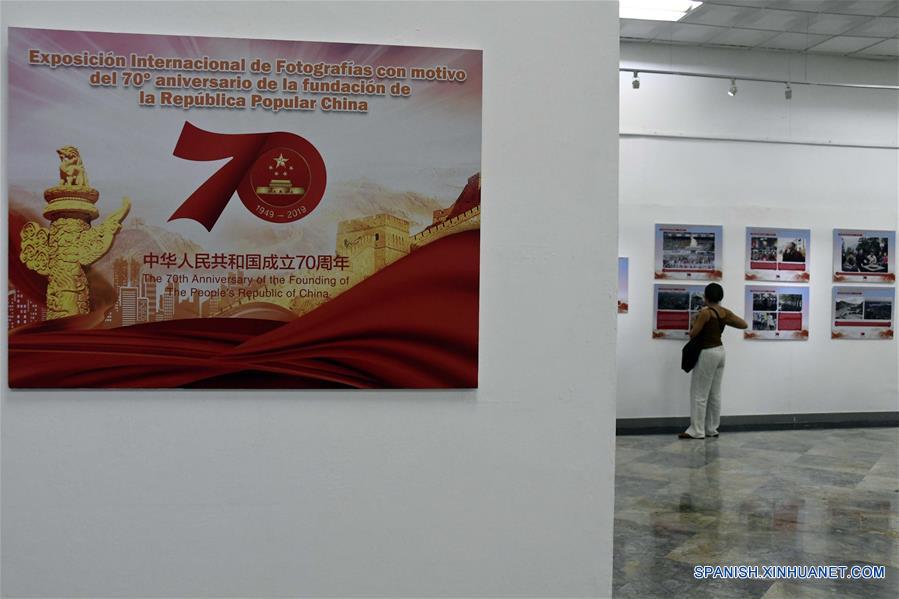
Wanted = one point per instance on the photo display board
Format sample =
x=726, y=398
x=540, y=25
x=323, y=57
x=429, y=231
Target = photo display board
x=239, y=213
x=777, y=254
x=674, y=308
x=864, y=256
x=688, y=252
x=863, y=312
x=777, y=313
x=622, y=285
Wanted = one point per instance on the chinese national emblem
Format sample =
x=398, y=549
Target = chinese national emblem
x=62, y=251
x=280, y=177
x=280, y=180
x=283, y=180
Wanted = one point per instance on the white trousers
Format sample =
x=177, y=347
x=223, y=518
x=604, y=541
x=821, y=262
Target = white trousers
x=705, y=393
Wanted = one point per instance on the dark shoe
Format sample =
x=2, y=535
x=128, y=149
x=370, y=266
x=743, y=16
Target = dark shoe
x=712, y=436
x=686, y=436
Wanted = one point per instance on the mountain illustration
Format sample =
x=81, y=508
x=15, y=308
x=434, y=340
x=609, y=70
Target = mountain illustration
x=365, y=198
x=344, y=200
x=137, y=238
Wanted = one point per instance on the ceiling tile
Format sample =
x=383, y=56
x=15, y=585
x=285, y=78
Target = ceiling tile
x=846, y=27
x=685, y=33
x=773, y=20
x=823, y=6
x=750, y=3
x=809, y=5
x=740, y=37
x=793, y=41
x=827, y=24
x=880, y=27
x=637, y=28
x=884, y=48
x=842, y=45
x=871, y=8
x=723, y=16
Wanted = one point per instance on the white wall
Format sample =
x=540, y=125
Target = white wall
x=504, y=491
x=739, y=184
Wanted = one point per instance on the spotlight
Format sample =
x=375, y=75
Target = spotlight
x=788, y=92
x=733, y=88
x=636, y=82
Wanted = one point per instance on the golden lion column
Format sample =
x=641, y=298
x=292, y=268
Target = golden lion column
x=61, y=252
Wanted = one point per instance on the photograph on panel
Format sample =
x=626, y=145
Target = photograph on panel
x=863, y=312
x=688, y=252
x=675, y=307
x=777, y=254
x=622, y=285
x=777, y=313
x=864, y=256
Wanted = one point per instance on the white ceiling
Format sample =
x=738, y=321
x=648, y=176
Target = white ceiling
x=859, y=28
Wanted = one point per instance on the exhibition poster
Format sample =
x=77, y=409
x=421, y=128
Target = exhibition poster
x=863, y=312
x=777, y=254
x=622, y=285
x=864, y=256
x=238, y=213
x=674, y=309
x=777, y=313
x=688, y=252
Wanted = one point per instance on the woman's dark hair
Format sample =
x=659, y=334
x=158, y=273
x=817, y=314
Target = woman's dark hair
x=714, y=292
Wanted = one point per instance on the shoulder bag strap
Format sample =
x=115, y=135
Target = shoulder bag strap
x=721, y=323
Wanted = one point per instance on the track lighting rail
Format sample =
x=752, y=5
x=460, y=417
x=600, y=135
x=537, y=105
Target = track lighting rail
x=639, y=71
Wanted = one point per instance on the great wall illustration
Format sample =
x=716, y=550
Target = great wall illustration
x=371, y=244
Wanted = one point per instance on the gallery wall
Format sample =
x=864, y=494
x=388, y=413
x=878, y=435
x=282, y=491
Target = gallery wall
x=504, y=491
x=669, y=176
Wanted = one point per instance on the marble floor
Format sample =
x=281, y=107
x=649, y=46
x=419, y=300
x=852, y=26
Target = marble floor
x=800, y=497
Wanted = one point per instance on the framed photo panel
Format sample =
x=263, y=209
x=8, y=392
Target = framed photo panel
x=688, y=252
x=241, y=213
x=674, y=308
x=863, y=312
x=777, y=254
x=777, y=313
x=864, y=256
x=622, y=285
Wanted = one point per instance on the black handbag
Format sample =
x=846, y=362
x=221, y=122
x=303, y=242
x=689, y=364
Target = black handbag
x=689, y=355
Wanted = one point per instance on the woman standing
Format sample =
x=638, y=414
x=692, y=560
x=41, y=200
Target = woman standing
x=705, y=385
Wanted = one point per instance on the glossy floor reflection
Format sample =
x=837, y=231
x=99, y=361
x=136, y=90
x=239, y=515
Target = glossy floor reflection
x=808, y=497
